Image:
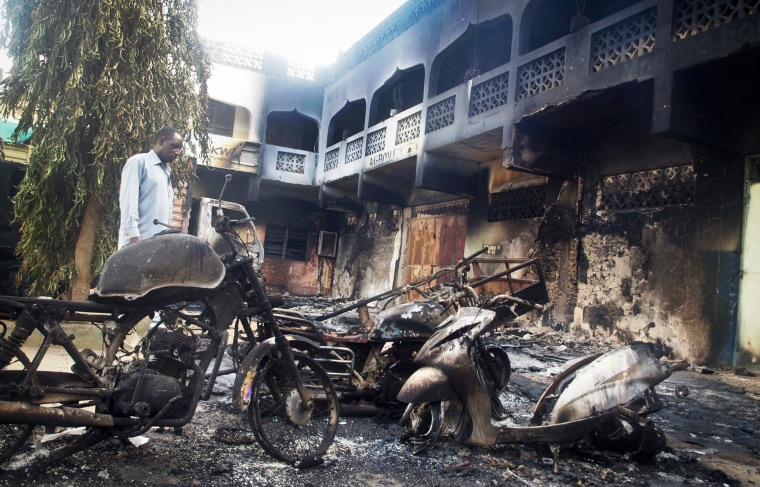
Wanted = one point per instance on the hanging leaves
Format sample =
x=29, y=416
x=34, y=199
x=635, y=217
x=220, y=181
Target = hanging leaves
x=94, y=80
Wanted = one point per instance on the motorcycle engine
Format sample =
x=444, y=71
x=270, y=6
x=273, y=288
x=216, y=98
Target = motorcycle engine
x=169, y=358
x=171, y=353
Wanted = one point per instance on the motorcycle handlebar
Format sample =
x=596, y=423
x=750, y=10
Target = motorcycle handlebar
x=156, y=222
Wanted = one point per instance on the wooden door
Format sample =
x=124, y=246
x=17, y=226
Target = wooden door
x=435, y=242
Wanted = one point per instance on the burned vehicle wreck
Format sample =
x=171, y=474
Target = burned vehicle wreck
x=430, y=363
x=201, y=296
x=370, y=362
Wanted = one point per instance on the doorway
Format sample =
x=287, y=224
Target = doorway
x=436, y=238
x=748, y=333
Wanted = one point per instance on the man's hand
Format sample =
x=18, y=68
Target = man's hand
x=134, y=239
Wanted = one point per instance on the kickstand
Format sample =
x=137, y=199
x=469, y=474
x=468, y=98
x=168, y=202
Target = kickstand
x=555, y=451
x=91, y=437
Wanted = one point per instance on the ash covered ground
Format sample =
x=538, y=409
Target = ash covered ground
x=711, y=421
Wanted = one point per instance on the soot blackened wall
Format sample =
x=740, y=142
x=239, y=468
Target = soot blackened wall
x=659, y=244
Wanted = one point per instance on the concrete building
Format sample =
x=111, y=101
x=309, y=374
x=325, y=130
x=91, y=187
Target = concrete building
x=616, y=140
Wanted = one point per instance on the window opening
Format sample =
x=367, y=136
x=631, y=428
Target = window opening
x=221, y=118
x=286, y=243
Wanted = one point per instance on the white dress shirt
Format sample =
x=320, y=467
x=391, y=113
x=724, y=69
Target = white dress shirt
x=145, y=195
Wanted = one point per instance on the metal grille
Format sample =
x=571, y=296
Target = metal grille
x=695, y=16
x=286, y=242
x=408, y=128
x=376, y=141
x=459, y=207
x=517, y=204
x=542, y=74
x=234, y=55
x=331, y=159
x=489, y=94
x=382, y=223
x=440, y=115
x=301, y=70
x=621, y=42
x=670, y=186
x=354, y=150
x=289, y=162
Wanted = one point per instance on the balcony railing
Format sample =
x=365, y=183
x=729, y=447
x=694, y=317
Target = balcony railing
x=541, y=74
x=609, y=42
x=287, y=165
x=693, y=17
x=440, y=114
x=376, y=141
x=623, y=41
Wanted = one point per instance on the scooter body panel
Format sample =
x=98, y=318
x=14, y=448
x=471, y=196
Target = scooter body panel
x=456, y=328
x=614, y=378
x=427, y=384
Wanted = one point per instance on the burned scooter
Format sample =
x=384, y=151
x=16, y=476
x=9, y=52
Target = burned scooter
x=605, y=398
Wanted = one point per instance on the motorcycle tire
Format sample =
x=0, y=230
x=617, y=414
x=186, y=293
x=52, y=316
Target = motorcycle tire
x=281, y=424
x=627, y=435
x=427, y=423
x=14, y=436
x=495, y=371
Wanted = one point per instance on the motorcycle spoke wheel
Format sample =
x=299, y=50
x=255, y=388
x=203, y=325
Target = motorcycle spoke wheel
x=427, y=425
x=14, y=436
x=283, y=426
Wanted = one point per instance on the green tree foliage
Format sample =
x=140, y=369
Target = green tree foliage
x=95, y=80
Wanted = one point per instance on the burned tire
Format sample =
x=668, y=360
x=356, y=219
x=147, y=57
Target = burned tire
x=282, y=424
x=427, y=423
x=628, y=435
x=494, y=371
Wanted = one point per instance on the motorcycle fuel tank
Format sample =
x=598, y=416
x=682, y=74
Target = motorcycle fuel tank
x=408, y=321
x=171, y=263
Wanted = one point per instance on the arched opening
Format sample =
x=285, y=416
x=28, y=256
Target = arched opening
x=292, y=130
x=480, y=49
x=401, y=91
x=545, y=21
x=347, y=122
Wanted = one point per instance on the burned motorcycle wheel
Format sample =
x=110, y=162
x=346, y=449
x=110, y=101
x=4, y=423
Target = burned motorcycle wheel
x=13, y=436
x=494, y=370
x=426, y=425
x=284, y=427
x=626, y=434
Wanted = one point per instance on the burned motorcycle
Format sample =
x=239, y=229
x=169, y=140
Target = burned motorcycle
x=199, y=294
x=605, y=398
x=368, y=368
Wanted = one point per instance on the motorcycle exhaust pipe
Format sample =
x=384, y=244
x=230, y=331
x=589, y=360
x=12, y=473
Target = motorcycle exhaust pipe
x=21, y=413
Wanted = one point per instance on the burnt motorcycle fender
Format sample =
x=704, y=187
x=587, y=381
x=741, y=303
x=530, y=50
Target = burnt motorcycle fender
x=241, y=389
x=427, y=384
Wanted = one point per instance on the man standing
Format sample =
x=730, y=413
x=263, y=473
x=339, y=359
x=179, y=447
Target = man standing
x=146, y=192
